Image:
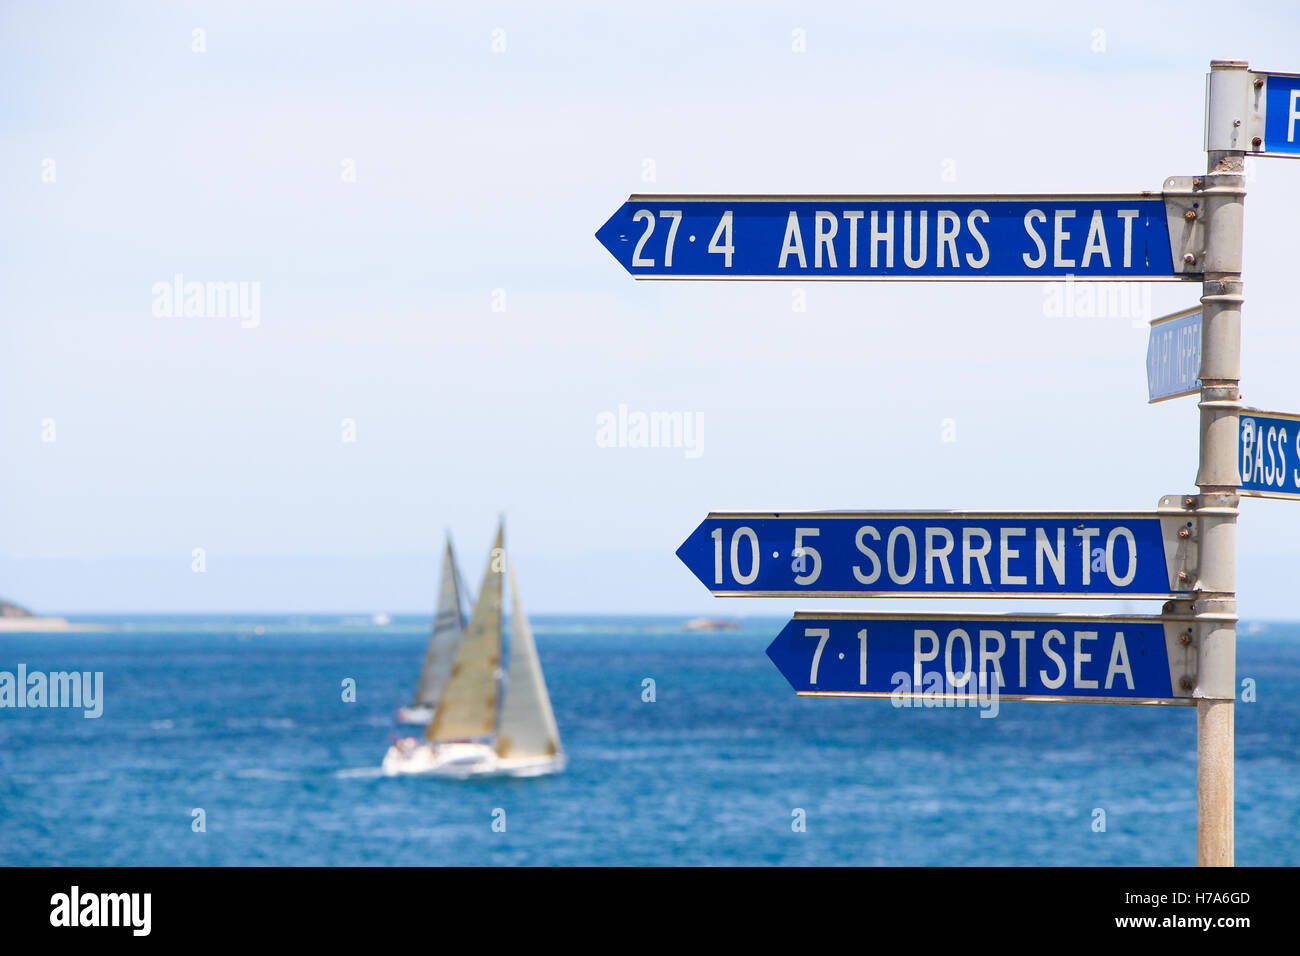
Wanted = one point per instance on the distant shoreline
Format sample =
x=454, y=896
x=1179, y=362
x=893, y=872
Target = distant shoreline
x=42, y=625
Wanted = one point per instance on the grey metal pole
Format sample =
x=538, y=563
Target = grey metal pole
x=1215, y=609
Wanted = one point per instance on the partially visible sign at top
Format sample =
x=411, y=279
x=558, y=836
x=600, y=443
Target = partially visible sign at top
x=1174, y=355
x=1274, y=121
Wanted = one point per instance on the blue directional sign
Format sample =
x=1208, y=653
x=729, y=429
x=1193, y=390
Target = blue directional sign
x=1278, y=98
x=892, y=237
x=940, y=659
x=1174, y=356
x=943, y=554
x=1268, y=454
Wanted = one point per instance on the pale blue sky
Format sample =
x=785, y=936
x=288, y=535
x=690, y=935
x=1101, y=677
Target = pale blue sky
x=478, y=171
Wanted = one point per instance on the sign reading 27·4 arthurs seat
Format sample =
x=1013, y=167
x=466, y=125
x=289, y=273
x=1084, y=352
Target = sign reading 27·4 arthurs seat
x=944, y=554
x=897, y=237
x=1096, y=659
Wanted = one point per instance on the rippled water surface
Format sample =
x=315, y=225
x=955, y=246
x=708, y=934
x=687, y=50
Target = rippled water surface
x=244, y=718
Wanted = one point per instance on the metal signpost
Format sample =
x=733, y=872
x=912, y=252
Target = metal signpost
x=1184, y=553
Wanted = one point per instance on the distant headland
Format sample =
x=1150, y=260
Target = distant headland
x=15, y=618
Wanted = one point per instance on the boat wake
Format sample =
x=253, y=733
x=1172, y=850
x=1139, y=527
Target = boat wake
x=359, y=773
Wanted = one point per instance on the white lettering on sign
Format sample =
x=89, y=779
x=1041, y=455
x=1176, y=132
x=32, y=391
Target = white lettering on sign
x=853, y=218
x=949, y=226
x=980, y=261
x=1035, y=215
x=1295, y=114
x=978, y=554
x=931, y=553
x=1077, y=659
x=1096, y=242
x=1174, y=356
x=940, y=556
x=824, y=231
x=874, y=574
x=793, y=242
x=1128, y=215
x=1060, y=235
x=885, y=235
x=1264, y=458
x=923, y=236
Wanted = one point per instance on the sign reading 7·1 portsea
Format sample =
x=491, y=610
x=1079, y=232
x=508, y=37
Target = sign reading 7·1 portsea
x=1097, y=659
x=944, y=554
x=899, y=237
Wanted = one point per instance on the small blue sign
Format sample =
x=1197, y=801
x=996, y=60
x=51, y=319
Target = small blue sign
x=940, y=554
x=1268, y=454
x=891, y=237
x=1281, y=114
x=1174, y=356
x=936, y=660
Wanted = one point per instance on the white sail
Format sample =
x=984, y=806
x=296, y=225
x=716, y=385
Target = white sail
x=448, y=632
x=468, y=706
x=527, y=722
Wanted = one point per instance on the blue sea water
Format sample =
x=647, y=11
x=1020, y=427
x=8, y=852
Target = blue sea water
x=245, y=719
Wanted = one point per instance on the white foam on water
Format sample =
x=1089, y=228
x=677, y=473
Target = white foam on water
x=258, y=773
x=362, y=773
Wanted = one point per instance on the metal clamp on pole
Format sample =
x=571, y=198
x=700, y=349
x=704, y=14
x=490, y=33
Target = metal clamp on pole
x=1215, y=610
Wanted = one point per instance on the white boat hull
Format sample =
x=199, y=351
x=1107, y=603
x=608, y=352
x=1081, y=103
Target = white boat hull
x=464, y=760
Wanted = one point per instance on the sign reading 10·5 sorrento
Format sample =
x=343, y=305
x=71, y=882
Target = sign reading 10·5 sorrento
x=944, y=554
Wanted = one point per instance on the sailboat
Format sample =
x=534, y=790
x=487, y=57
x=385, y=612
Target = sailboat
x=469, y=735
x=448, y=631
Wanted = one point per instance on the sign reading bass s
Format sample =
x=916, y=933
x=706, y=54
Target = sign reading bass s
x=891, y=237
x=1268, y=454
x=943, y=554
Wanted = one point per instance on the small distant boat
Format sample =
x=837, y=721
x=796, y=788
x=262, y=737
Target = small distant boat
x=709, y=624
x=468, y=737
x=444, y=644
x=380, y=619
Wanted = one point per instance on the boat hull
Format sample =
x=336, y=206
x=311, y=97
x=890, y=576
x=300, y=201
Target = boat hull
x=463, y=761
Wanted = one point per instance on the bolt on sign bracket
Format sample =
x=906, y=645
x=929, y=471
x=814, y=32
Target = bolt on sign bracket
x=1182, y=538
x=1180, y=639
x=1185, y=210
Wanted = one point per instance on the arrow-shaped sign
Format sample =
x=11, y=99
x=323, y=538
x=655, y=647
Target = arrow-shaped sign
x=935, y=658
x=1141, y=236
x=1174, y=355
x=1268, y=454
x=946, y=553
